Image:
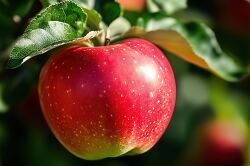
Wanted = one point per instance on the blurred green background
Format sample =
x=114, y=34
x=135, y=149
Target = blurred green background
x=210, y=125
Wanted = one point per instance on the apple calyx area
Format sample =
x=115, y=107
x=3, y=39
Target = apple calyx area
x=108, y=101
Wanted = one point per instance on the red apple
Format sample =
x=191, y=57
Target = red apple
x=108, y=101
x=223, y=143
x=133, y=5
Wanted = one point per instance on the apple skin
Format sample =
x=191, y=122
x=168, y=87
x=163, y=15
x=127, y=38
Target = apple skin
x=108, y=101
x=223, y=143
x=132, y=5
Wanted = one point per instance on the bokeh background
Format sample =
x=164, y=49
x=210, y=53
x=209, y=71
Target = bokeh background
x=210, y=125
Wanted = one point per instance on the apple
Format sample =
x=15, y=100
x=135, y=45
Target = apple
x=133, y=5
x=222, y=143
x=108, y=101
x=234, y=15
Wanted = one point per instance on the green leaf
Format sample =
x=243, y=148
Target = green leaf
x=111, y=11
x=168, y=6
x=94, y=19
x=3, y=105
x=152, y=6
x=117, y=28
x=193, y=42
x=66, y=12
x=49, y=2
x=83, y=3
x=56, y=25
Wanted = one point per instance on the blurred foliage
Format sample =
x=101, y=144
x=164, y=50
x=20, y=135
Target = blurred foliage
x=65, y=22
x=168, y=7
x=201, y=97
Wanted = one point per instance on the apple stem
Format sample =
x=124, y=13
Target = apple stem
x=107, y=42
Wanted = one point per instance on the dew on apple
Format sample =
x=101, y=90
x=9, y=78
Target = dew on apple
x=68, y=91
x=151, y=94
